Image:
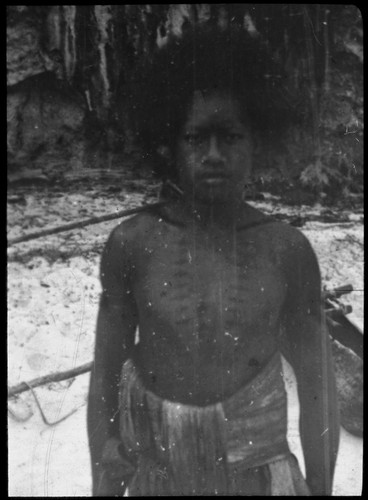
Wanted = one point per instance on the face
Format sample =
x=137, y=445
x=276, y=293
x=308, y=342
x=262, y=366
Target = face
x=214, y=149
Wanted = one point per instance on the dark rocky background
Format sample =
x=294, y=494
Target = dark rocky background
x=66, y=64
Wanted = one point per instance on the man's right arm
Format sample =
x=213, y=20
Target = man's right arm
x=116, y=325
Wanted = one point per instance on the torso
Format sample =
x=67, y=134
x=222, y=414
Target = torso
x=209, y=306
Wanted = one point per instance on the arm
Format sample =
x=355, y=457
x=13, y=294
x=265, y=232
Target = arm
x=116, y=325
x=306, y=345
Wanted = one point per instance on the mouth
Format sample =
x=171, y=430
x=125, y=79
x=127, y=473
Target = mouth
x=213, y=178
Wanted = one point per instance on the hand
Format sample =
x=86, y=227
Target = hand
x=318, y=489
x=115, y=470
x=107, y=487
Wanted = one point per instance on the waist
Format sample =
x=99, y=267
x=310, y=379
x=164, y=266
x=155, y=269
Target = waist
x=251, y=424
x=195, y=380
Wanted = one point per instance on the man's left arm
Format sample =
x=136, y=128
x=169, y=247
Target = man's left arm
x=306, y=345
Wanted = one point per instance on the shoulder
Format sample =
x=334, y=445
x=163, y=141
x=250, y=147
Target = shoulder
x=288, y=237
x=133, y=229
x=119, y=256
x=126, y=238
x=281, y=233
x=296, y=258
x=291, y=240
x=285, y=243
x=293, y=247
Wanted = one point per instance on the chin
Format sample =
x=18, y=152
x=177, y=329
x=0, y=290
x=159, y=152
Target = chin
x=221, y=193
x=213, y=197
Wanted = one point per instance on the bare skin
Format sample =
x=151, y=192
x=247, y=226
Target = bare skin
x=213, y=298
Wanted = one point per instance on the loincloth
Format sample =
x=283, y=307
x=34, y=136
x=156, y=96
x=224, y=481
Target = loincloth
x=235, y=447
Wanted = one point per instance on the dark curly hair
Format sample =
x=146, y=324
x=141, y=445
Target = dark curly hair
x=207, y=59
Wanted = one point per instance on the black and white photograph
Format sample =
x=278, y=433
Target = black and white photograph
x=185, y=255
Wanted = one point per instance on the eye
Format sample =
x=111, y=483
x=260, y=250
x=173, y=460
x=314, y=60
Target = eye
x=232, y=137
x=194, y=139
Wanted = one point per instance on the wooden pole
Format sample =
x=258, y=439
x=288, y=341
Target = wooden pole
x=51, y=377
x=82, y=223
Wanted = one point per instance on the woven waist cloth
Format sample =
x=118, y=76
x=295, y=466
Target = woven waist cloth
x=182, y=449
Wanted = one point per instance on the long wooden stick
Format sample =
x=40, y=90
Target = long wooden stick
x=51, y=377
x=346, y=333
x=296, y=221
x=83, y=223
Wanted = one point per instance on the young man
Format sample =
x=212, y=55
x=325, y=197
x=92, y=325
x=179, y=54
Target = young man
x=218, y=291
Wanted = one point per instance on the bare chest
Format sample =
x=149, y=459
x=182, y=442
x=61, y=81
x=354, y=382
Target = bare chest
x=201, y=283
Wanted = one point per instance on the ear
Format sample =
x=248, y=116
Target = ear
x=256, y=144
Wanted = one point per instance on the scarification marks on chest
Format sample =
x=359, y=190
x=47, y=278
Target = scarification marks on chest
x=210, y=288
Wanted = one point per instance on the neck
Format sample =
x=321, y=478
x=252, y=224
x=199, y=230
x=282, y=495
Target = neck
x=224, y=215
x=220, y=214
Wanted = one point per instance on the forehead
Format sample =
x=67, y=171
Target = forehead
x=216, y=108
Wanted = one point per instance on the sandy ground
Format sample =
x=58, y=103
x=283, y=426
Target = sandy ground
x=53, y=291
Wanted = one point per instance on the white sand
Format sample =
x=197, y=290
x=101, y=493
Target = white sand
x=52, y=313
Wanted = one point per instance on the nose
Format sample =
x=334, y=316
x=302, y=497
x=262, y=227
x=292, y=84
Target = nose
x=214, y=154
